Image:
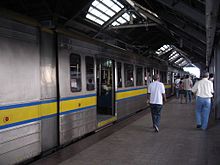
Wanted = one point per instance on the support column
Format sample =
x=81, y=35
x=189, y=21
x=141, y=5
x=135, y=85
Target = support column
x=217, y=79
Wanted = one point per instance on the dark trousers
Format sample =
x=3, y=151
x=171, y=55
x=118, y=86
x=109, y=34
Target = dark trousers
x=155, y=112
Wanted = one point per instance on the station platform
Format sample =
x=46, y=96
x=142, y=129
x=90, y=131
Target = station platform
x=134, y=142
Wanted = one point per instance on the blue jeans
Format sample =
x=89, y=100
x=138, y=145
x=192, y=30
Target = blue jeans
x=155, y=112
x=177, y=93
x=203, y=106
x=188, y=96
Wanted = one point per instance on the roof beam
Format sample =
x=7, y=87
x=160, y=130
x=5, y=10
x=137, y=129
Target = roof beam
x=78, y=25
x=111, y=20
x=144, y=11
x=195, y=56
x=189, y=41
x=212, y=7
x=184, y=9
x=200, y=52
x=187, y=29
x=133, y=26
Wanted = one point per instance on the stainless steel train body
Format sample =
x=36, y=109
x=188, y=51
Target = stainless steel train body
x=57, y=86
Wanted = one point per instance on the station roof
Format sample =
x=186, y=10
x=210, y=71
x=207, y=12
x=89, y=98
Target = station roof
x=178, y=32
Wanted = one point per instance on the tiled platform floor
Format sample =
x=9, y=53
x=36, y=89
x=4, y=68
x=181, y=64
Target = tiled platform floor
x=177, y=143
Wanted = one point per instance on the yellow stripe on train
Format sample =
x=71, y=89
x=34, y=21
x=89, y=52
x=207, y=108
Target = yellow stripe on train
x=48, y=109
x=135, y=92
x=14, y=115
x=132, y=93
x=167, y=86
x=68, y=105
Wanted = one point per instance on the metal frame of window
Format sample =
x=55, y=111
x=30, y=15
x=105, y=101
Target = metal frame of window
x=103, y=10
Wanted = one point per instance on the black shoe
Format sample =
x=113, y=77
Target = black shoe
x=198, y=126
x=156, y=128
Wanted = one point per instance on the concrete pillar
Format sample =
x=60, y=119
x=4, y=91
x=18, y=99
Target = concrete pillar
x=217, y=79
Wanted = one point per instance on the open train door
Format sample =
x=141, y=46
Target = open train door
x=105, y=91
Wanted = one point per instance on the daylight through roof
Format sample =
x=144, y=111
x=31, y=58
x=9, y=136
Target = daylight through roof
x=174, y=56
x=102, y=11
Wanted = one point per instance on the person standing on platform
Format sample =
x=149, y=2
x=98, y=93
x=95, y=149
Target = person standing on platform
x=156, y=91
x=204, y=91
x=177, y=83
x=181, y=91
x=187, y=83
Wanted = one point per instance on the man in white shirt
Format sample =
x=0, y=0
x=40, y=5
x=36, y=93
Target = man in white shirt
x=204, y=91
x=156, y=90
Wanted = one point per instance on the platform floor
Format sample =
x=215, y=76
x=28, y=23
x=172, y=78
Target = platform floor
x=134, y=142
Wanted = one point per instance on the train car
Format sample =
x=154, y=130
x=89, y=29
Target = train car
x=57, y=86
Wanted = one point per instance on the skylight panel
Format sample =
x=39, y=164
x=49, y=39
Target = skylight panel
x=115, y=23
x=178, y=60
x=95, y=3
x=102, y=10
x=118, y=3
x=99, y=14
x=112, y=5
x=174, y=57
x=164, y=49
x=105, y=9
x=116, y=8
x=183, y=63
x=166, y=46
x=89, y=16
x=174, y=52
x=126, y=16
x=121, y=20
x=110, y=13
x=158, y=52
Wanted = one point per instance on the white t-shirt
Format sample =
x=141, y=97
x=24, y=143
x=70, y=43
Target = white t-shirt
x=203, y=88
x=177, y=83
x=156, y=89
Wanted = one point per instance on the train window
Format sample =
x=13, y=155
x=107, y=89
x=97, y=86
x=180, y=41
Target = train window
x=129, y=75
x=119, y=74
x=139, y=75
x=90, y=81
x=75, y=73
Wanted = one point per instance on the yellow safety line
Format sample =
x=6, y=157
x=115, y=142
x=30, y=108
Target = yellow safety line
x=105, y=122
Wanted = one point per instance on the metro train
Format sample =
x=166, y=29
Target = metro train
x=58, y=85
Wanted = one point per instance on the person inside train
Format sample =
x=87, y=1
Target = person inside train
x=90, y=85
x=106, y=87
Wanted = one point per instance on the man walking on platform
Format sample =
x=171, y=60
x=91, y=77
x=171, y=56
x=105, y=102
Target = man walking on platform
x=156, y=90
x=204, y=91
x=187, y=85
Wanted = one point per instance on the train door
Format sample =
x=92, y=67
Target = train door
x=105, y=91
